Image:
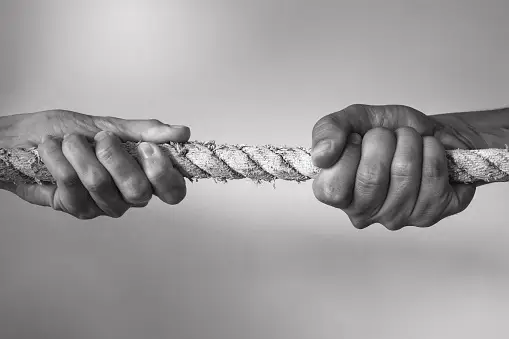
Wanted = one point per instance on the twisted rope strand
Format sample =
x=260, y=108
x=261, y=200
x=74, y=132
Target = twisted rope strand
x=222, y=162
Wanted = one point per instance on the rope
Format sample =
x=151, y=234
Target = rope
x=200, y=160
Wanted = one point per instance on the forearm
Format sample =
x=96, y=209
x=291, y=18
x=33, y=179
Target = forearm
x=6, y=136
x=485, y=129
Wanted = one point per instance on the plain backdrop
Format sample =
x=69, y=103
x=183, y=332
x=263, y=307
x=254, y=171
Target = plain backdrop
x=239, y=260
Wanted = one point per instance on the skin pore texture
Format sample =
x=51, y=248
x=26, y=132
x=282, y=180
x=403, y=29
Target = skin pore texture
x=382, y=164
x=387, y=164
x=486, y=129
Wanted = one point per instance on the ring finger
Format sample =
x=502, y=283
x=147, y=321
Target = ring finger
x=373, y=174
x=94, y=176
x=405, y=180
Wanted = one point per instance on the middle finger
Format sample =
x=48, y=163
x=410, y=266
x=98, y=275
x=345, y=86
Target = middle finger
x=127, y=174
x=373, y=173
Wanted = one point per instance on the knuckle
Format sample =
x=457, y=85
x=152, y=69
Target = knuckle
x=434, y=161
x=71, y=143
x=157, y=168
x=140, y=205
x=428, y=213
x=50, y=146
x=106, y=153
x=58, y=113
x=331, y=195
x=115, y=210
x=322, y=124
x=155, y=122
x=86, y=216
x=80, y=216
x=407, y=108
x=83, y=216
x=97, y=181
x=379, y=142
x=402, y=167
x=425, y=223
x=402, y=108
x=69, y=178
x=370, y=176
x=117, y=213
x=425, y=216
x=366, y=205
x=360, y=223
x=377, y=114
x=137, y=198
x=156, y=174
x=106, y=123
x=72, y=139
x=378, y=131
x=434, y=168
x=393, y=225
x=86, y=212
x=137, y=191
x=116, y=216
x=406, y=131
x=356, y=107
x=407, y=160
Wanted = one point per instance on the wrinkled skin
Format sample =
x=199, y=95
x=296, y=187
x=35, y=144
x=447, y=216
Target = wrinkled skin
x=95, y=181
x=387, y=165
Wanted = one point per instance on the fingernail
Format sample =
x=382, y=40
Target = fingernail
x=355, y=138
x=178, y=126
x=322, y=147
x=101, y=135
x=146, y=149
x=175, y=196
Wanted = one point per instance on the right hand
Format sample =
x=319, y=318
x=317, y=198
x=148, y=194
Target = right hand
x=94, y=181
x=387, y=164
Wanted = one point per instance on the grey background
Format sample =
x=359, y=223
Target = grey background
x=240, y=260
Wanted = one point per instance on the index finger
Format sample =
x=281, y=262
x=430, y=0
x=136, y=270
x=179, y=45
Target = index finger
x=331, y=132
x=150, y=130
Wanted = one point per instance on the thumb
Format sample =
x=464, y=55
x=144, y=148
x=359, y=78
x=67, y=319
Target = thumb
x=330, y=133
x=150, y=130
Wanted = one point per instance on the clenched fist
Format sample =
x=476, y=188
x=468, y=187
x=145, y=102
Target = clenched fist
x=387, y=165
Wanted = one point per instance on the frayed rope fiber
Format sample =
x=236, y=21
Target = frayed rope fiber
x=222, y=162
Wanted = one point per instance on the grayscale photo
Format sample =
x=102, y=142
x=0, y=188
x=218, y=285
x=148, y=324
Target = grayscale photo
x=263, y=169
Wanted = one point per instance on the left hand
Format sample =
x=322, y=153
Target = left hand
x=94, y=181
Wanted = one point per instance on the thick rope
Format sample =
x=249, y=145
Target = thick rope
x=200, y=160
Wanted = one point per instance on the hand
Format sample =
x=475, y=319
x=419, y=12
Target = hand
x=93, y=182
x=387, y=165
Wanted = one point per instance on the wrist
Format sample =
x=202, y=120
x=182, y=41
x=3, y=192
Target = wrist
x=480, y=129
x=5, y=126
